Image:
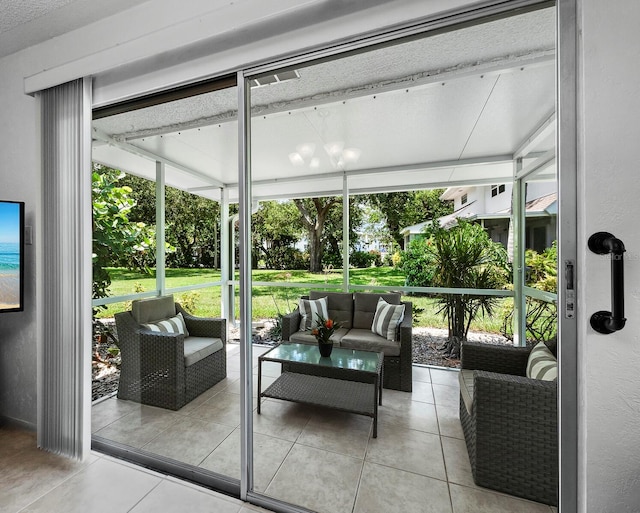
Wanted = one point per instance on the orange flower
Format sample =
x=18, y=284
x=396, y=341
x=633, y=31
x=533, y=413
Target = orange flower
x=329, y=323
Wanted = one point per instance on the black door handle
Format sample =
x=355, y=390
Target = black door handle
x=604, y=322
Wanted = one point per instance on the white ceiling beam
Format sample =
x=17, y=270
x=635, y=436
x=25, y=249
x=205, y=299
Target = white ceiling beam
x=132, y=148
x=541, y=162
x=542, y=131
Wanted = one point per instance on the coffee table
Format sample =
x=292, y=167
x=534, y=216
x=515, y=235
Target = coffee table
x=349, y=380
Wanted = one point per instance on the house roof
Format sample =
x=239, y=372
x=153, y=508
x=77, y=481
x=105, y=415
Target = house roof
x=447, y=110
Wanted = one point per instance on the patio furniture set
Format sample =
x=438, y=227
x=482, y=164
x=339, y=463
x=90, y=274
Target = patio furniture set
x=508, y=415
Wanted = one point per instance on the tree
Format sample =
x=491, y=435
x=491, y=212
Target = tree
x=275, y=229
x=462, y=257
x=401, y=209
x=314, y=214
x=114, y=234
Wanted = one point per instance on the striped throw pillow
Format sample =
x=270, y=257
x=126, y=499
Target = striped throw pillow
x=542, y=364
x=311, y=310
x=386, y=319
x=172, y=325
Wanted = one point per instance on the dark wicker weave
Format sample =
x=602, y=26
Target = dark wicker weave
x=153, y=371
x=512, y=434
x=398, y=370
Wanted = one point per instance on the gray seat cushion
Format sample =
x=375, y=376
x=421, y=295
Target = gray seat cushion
x=465, y=379
x=364, y=307
x=197, y=348
x=305, y=337
x=339, y=304
x=366, y=340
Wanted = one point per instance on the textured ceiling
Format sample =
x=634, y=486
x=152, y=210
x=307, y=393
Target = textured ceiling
x=451, y=108
x=25, y=23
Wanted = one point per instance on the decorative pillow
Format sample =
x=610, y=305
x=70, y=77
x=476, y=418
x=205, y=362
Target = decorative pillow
x=311, y=310
x=172, y=325
x=386, y=319
x=542, y=364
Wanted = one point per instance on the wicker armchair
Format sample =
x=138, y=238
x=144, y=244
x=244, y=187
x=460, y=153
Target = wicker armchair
x=168, y=369
x=510, y=422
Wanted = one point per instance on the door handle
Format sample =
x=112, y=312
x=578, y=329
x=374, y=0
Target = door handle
x=605, y=322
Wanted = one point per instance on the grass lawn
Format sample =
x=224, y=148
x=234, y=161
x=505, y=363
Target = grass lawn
x=267, y=301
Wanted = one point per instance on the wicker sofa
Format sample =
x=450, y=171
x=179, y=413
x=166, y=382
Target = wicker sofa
x=355, y=312
x=168, y=369
x=510, y=422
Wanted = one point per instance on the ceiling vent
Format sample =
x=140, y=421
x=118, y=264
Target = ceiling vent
x=276, y=78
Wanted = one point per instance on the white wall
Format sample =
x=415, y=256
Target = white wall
x=20, y=181
x=609, y=365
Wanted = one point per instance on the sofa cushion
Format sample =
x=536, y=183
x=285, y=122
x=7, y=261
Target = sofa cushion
x=465, y=379
x=339, y=304
x=174, y=324
x=310, y=312
x=197, y=348
x=364, y=307
x=153, y=309
x=366, y=340
x=386, y=319
x=305, y=337
x=542, y=364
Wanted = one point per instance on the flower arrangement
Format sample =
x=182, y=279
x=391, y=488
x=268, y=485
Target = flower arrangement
x=324, y=329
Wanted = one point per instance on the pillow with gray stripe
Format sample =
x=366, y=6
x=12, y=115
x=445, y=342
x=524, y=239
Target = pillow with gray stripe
x=386, y=319
x=542, y=364
x=172, y=325
x=311, y=310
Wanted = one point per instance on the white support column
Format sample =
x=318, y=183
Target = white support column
x=161, y=285
x=518, y=217
x=226, y=296
x=246, y=350
x=345, y=233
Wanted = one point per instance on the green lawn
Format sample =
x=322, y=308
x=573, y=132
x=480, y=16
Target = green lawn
x=267, y=301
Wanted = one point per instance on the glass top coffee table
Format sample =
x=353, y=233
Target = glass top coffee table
x=349, y=380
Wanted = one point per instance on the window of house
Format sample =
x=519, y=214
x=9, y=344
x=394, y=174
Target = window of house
x=497, y=189
x=463, y=199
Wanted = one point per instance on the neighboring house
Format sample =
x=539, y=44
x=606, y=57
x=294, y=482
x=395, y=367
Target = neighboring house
x=490, y=205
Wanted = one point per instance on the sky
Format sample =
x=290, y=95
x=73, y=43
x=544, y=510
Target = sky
x=9, y=222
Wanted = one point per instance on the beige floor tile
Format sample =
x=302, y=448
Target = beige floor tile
x=223, y=408
x=271, y=369
x=106, y=412
x=445, y=377
x=170, y=496
x=140, y=426
x=422, y=392
x=449, y=421
x=407, y=449
x=446, y=395
x=234, y=388
x=28, y=473
x=281, y=419
x=388, y=490
x=13, y=440
x=470, y=500
x=421, y=374
x=85, y=491
x=318, y=480
x=456, y=460
x=189, y=440
x=269, y=453
x=344, y=433
x=410, y=415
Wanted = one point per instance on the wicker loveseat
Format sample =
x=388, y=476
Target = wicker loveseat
x=510, y=422
x=168, y=369
x=355, y=312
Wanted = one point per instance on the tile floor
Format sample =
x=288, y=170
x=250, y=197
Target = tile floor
x=322, y=460
x=34, y=481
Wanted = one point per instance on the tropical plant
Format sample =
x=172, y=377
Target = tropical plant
x=462, y=257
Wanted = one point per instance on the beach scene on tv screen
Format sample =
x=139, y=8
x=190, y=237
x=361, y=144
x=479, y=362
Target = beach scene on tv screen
x=9, y=255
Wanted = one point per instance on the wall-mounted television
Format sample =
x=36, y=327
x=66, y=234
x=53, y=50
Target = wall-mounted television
x=11, y=256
